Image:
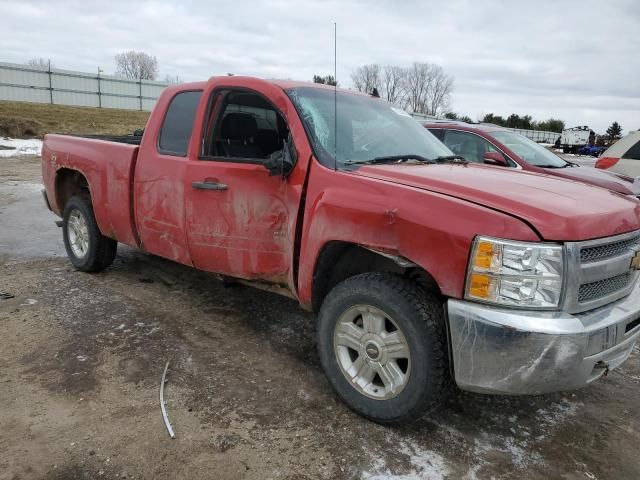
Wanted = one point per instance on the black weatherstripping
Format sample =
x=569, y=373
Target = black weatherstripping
x=631, y=325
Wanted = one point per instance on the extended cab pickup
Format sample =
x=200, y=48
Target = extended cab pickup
x=421, y=267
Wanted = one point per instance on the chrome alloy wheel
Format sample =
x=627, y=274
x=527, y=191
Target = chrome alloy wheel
x=78, y=233
x=372, y=352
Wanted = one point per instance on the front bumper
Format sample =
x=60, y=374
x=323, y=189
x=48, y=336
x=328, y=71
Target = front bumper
x=519, y=352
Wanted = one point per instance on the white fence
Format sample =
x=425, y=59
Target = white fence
x=540, y=136
x=22, y=83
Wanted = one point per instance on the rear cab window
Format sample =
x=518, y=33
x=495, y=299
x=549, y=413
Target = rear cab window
x=178, y=123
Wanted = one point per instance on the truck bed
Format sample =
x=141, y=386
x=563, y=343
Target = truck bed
x=107, y=163
x=128, y=139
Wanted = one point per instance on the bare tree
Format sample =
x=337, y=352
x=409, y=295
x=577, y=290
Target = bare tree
x=439, y=95
x=428, y=89
x=136, y=65
x=366, y=78
x=41, y=63
x=422, y=87
x=418, y=82
x=393, y=83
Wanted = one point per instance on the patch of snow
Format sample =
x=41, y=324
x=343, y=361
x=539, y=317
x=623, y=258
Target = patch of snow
x=425, y=465
x=556, y=414
x=29, y=301
x=18, y=147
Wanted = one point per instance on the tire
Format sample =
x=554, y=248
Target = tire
x=87, y=248
x=419, y=317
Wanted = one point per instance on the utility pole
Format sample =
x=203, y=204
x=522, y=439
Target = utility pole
x=99, y=91
x=50, y=83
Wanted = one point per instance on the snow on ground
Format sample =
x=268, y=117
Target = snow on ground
x=424, y=465
x=13, y=147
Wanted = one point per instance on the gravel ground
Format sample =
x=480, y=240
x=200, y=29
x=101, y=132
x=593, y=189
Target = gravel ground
x=81, y=358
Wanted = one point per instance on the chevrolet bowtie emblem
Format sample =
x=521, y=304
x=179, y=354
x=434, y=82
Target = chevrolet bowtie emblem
x=635, y=263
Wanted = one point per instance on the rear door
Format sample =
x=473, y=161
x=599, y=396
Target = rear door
x=240, y=221
x=159, y=178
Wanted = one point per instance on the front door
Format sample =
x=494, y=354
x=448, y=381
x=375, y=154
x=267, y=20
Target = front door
x=240, y=221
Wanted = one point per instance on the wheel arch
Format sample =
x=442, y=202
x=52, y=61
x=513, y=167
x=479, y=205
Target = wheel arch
x=70, y=182
x=339, y=260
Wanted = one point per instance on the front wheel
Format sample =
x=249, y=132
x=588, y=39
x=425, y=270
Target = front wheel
x=86, y=247
x=383, y=347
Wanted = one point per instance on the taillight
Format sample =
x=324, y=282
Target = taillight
x=606, y=162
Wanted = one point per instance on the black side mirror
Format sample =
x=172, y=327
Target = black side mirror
x=281, y=162
x=494, y=158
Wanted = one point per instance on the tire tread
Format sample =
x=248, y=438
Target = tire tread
x=428, y=309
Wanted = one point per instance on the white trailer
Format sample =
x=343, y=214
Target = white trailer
x=575, y=137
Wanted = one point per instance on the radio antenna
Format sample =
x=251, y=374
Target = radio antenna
x=335, y=96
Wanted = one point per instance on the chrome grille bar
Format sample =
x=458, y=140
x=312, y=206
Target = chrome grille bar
x=599, y=271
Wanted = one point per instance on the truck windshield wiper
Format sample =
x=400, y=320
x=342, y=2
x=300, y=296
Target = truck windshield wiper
x=450, y=158
x=390, y=159
x=554, y=166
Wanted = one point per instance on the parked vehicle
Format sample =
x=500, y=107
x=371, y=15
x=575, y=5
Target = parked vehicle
x=623, y=157
x=498, y=146
x=591, y=150
x=421, y=267
x=576, y=137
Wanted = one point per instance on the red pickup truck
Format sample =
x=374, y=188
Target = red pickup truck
x=423, y=269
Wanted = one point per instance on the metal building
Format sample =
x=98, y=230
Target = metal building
x=23, y=83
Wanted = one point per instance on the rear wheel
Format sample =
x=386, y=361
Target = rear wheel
x=86, y=247
x=382, y=345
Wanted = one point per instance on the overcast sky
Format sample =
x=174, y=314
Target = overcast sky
x=574, y=60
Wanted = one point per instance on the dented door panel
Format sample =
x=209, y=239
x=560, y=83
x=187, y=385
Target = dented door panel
x=242, y=230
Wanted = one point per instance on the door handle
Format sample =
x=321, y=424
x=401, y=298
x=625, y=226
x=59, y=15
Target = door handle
x=209, y=186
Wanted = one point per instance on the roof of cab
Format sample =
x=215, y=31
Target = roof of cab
x=283, y=84
x=485, y=127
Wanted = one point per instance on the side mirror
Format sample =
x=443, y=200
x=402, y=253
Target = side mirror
x=281, y=162
x=494, y=158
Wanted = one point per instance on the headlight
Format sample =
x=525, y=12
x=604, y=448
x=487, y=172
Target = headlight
x=517, y=274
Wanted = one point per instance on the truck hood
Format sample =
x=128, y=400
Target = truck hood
x=559, y=210
x=597, y=177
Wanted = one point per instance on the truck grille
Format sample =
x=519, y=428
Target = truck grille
x=603, y=288
x=599, y=271
x=602, y=252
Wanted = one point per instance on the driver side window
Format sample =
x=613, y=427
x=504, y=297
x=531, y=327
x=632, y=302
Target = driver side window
x=471, y=147
x=247, y=128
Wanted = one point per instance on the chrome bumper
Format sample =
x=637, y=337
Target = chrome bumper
x=519, y=352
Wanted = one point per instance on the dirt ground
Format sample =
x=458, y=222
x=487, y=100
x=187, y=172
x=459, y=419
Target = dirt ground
x=81, y=357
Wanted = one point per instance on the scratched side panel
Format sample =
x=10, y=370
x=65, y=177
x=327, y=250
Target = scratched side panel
x=159, y=206
x=107, y=167
x=241, y=231
x=432, y=230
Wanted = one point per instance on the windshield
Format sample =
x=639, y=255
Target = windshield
x=529, y=150
x=367, y=128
